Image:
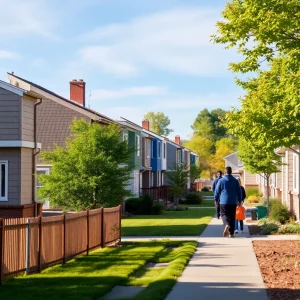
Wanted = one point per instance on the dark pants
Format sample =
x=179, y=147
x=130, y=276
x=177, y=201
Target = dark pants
x=228, y=216
x=241, y=225
x=218, y=210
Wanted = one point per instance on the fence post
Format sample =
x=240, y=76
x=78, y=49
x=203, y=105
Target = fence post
x=40, y=243
x=88, y=232
x=28, y=247
x=120, y=222
x=65, y=237
x=1, y=250
x=102, y=228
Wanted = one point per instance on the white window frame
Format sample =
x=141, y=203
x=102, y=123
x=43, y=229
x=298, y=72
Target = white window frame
x=5, y=163
x=138, y=145
x=295, y=172
x=125, y=136
x=159, y=149
x=148, y=148
x=47, y=172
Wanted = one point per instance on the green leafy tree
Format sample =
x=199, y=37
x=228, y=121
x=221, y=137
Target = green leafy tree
x=178, y=178
x=259, y=160
x=91, y=171
x=159, y=123
x=224, y=147
x=259, y=30
x=195, y=171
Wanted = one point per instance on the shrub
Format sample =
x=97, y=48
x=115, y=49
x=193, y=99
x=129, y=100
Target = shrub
x=253, y=192
x=289, y=229
x=133, y=205
x=193, y=198
x=205, y=189
x=262, y=221
x=253, y=199
x=279, y=212
x=146, y=205
x=274, y=202
x=269, y=228
x=157, y=208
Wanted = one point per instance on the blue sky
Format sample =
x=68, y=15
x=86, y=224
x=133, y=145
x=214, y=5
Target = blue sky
x=135, y=55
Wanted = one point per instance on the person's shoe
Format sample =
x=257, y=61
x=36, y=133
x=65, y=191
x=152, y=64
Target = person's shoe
x=225, y=232
x=218, y=217
x=236, y=232
x=231, y=235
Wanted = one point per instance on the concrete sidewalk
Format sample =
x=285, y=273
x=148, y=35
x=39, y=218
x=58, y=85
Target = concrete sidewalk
x=221, y=268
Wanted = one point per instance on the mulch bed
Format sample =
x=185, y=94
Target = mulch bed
x=254, y=229
x=279, y=263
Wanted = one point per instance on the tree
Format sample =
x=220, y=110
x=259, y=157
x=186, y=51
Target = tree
x=259, y=29
x=159, y=123
x=209, y=124
x=178, y=178
x=91, y=171
x=194, y=172
x=259, y=160
x=224, y=147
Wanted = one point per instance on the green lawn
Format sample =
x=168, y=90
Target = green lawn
x=205, y=203
x=91, y=277
x=207, y=193
x=172, y=223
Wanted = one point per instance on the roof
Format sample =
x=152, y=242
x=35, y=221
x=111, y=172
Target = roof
x=12, y=88
x=62, y=98
x=234, y=153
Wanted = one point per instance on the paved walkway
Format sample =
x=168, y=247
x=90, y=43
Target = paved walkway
x=221, y=268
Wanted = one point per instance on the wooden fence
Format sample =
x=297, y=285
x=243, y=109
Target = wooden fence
x=31, y=245
x=157, y=193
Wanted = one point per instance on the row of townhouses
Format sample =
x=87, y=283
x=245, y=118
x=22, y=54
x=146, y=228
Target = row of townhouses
x=284, y=185
x=33, y=118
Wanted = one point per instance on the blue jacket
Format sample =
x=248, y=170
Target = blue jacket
x=228, y=190
x=214, y=184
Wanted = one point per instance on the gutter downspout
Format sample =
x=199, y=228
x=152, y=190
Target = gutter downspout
x=36, y=151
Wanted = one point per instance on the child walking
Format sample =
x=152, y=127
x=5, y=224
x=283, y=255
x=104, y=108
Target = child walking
x=239, y=218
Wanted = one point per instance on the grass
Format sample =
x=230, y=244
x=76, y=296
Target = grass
x=207, y=193
x=91, y=277
x=172, y=223
x=205, y=203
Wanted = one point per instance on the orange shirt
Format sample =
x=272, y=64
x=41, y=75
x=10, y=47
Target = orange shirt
x=240, y=213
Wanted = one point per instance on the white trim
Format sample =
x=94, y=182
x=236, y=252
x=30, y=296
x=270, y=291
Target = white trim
x=153, y=134
x=12, y=88
x=158, y=149
x=25, y=144
x=5, y=163
x=295, y=177
x=138, y=145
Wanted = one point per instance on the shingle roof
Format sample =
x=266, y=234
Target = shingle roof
x=62, y=98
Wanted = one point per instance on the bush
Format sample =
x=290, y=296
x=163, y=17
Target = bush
x=157, y=208
x=133, y=205
x=269, y=228
x=205, y=189
x=252, y=192
x=146, y=205
x=279, y=212
x=193, y=198
x=253, y=199
x=289, y=229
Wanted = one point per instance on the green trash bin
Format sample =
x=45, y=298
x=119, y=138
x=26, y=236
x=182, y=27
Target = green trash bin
x=261, y=211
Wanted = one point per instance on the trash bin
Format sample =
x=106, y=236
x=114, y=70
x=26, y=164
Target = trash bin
x=261, y=211
x=253, y=215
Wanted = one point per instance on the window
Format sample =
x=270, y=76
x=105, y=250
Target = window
x=159, y=149
x=125, y=136
x=3, y=180
x=40, y=171
x=137, y=145
x=148, y=148
x=164, y=150
x=152, y=149
x=295, y=172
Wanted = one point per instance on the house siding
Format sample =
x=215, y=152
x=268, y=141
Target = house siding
x=13, y=156
x=10, y=115
x=171, y=154
x=26, y=175
x=232, y=161
x=146, y=159
x=53, y=124
x=28, y=119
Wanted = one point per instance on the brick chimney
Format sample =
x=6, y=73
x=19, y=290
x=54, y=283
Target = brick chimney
x=77, y=91
x=177, y=139
x=146, y=124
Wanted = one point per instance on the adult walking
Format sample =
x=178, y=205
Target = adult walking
x=214, y=185
x=228, y=190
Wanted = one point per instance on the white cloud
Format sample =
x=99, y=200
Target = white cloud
x=8, y=55
x=19, y=17
x=177, y=40
x=127, y=92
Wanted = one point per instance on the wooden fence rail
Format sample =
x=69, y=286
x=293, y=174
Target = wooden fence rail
x=33, y=244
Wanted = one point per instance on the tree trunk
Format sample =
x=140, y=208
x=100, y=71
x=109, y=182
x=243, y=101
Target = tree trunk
x=268, y=193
